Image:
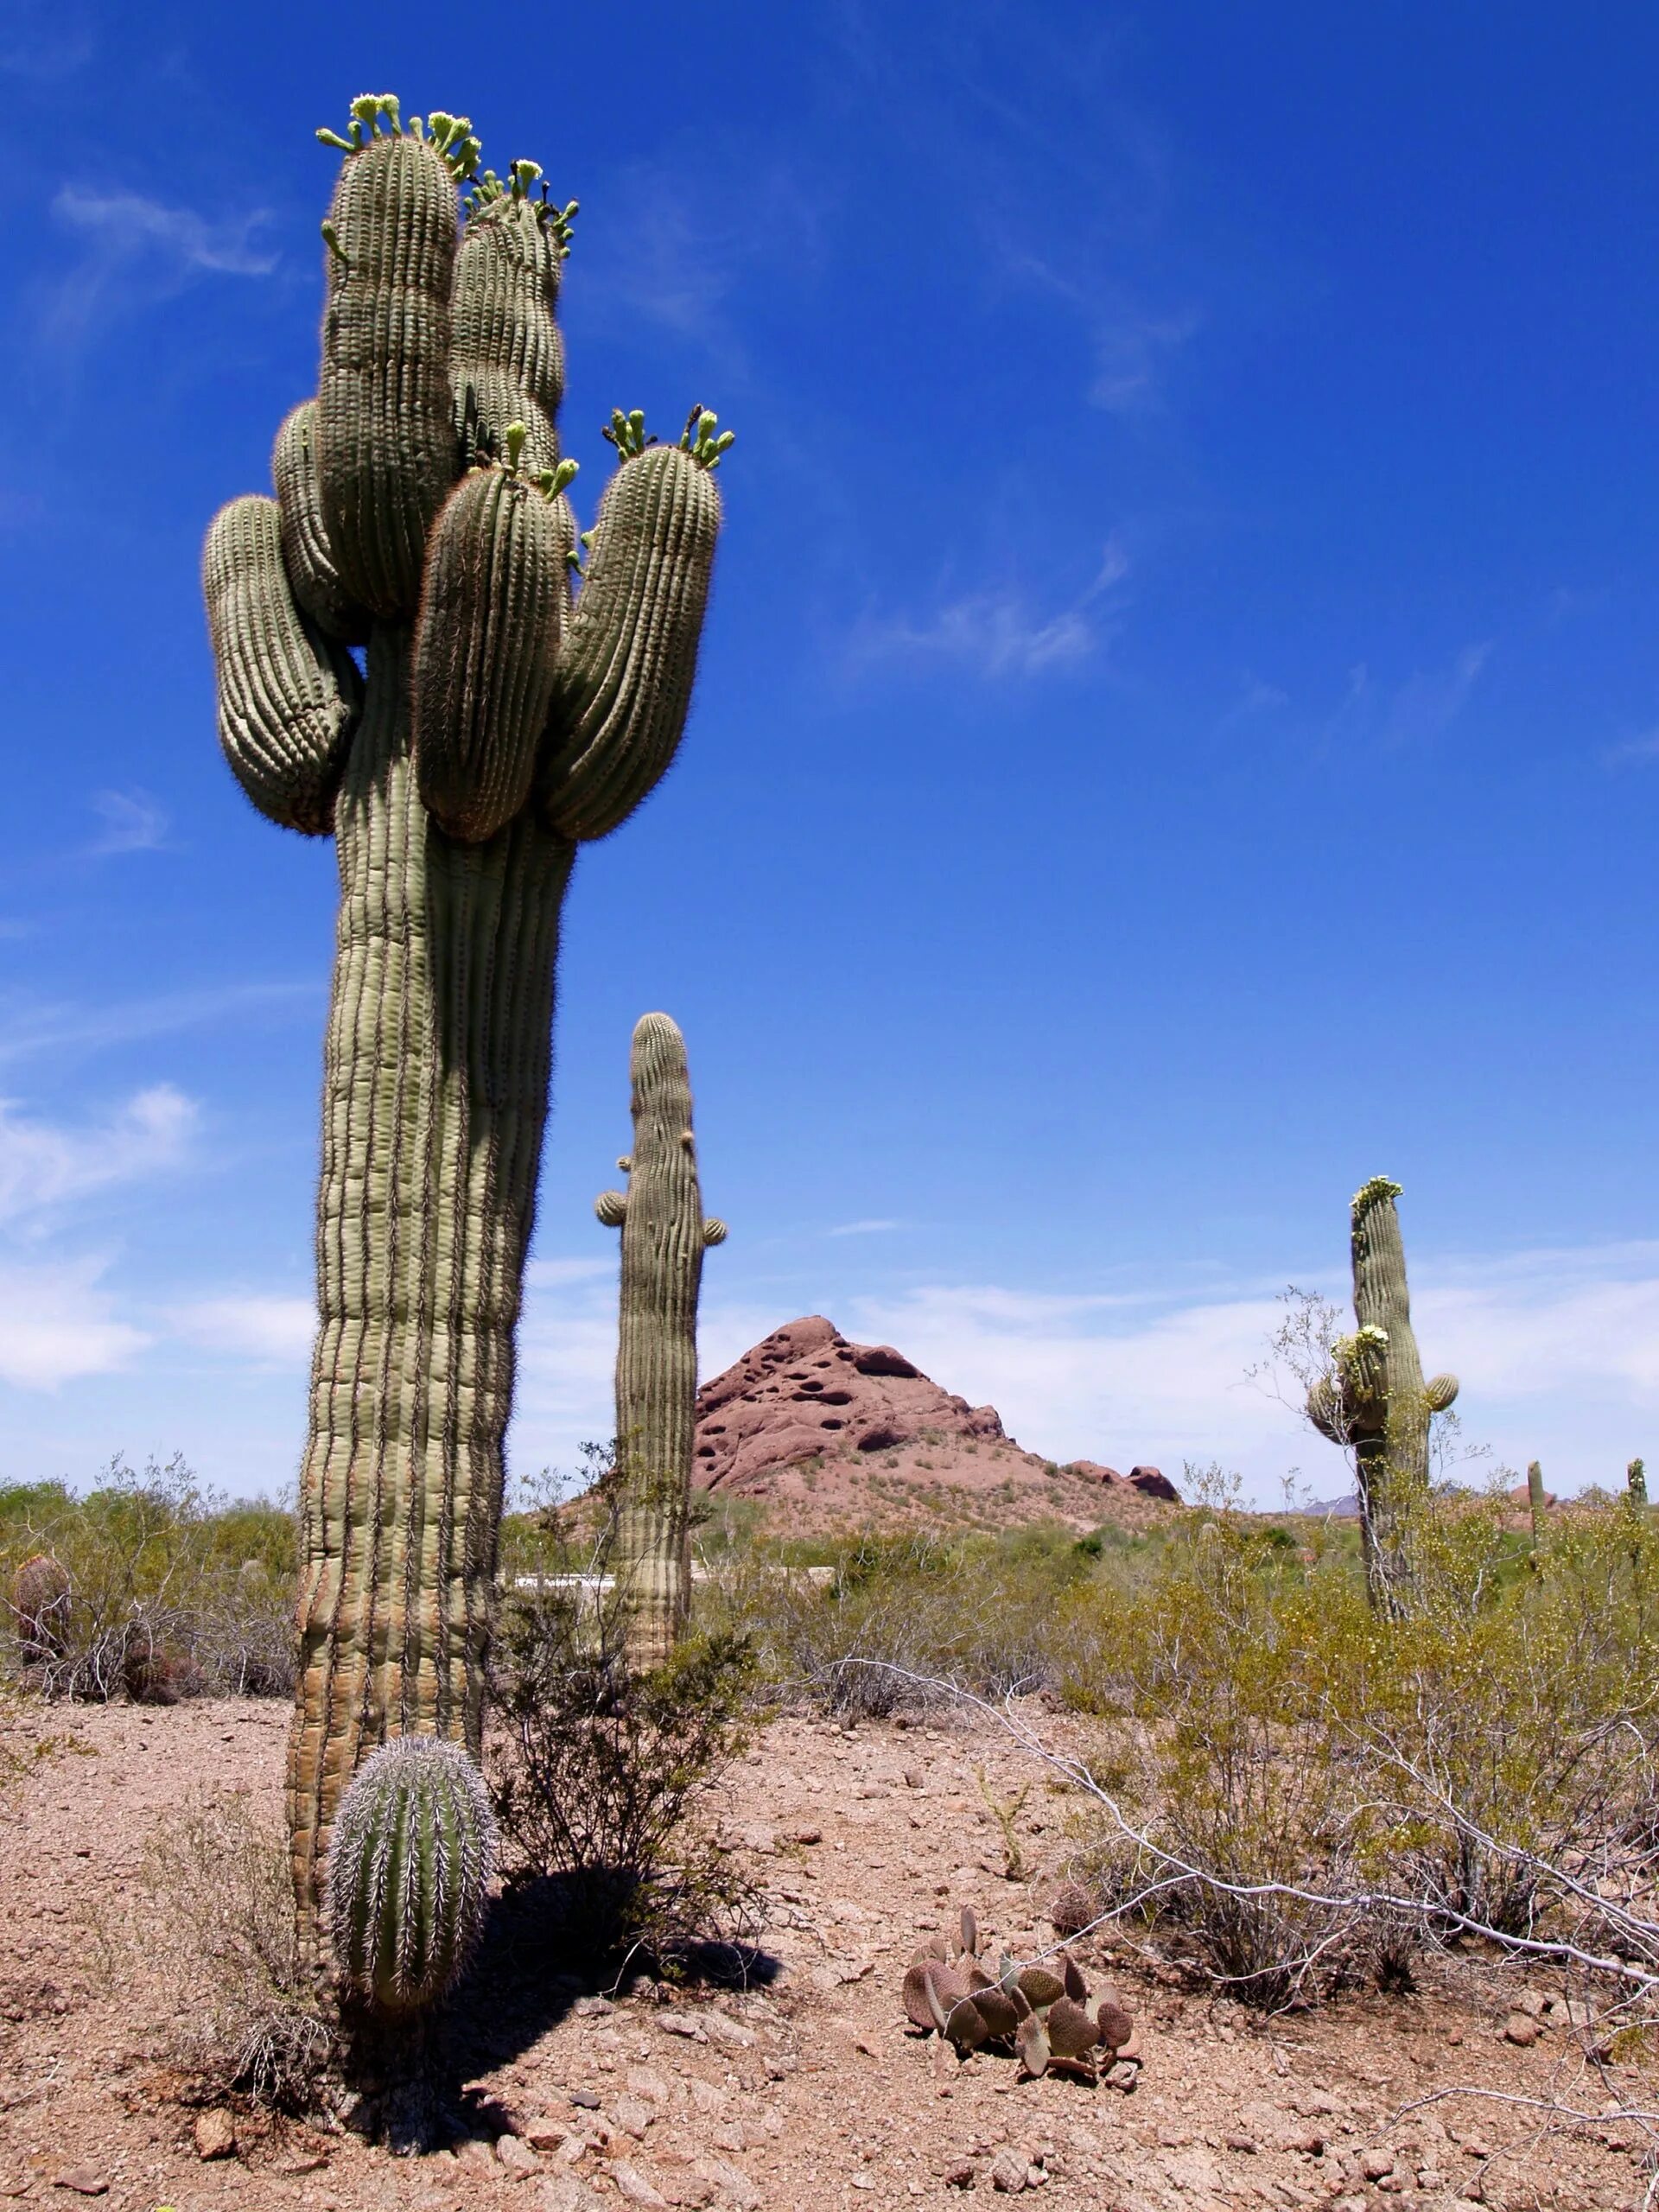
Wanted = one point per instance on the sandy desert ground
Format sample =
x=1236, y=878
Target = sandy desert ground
x=805, y=2091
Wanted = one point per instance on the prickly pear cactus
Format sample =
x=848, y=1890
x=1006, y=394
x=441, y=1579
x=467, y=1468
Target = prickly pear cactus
x=1042, y=2016
x=408, y=1871
x=507, y=718
x=1377, y=1400
x=665, y=1234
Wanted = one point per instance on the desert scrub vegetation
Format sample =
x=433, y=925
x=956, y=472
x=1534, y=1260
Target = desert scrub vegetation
x=876, y=1623
x=605, y=1775
x=1287, y=1791
x=150, y=1586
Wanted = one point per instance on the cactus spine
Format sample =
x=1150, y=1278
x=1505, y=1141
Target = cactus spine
x=420, y=508
x=665, y=1234
x=1376, y=1400
x=408, y=1871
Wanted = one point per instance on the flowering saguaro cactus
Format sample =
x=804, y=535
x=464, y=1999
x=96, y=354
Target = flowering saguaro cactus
x=663, y=1237
x=507, y=718
x=1377, y=1400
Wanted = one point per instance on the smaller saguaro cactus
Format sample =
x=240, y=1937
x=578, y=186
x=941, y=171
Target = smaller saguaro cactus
x=665, y=1234
x=408, y=1871
x=1375, y=1400
x=1635, y=1479
x=1537, y=1501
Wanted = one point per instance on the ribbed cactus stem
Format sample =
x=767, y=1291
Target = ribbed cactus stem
x=1635, y=1479
x=1536, y=1501
x=665, y=1234
x=419, y=509
x=1377, y=1402
x=409, y=1874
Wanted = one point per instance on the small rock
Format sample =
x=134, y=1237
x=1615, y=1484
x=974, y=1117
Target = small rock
x=1309, y=2142
x=587, y=2100
x=544, y=2132
x=731, y=2182
x=1532, y=2003
x=1036, y=2177
x=1007, y=2173
x=720, y=2030
x=962, y=2175
x=805, y=1835
x=565, y=2193
x=632, y=2115
x=304, y=2162
x=86, y=2180
x=1376, y=2165
x=683, y=2023
x=588, y=2006
x=633, y=2187
x=728, y=2136
x=914, y=1779
x=516, y=2157
x=1520, y=2028
x=215, y=2133
x=644, y=2083
x=1244, y=2143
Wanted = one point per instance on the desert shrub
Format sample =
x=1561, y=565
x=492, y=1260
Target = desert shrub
x=150, y=1586
x=604, y=1780
x=1293, y=1791
x=215, y=1913
x=886, y=1623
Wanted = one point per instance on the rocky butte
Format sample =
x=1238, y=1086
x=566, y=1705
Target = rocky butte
x=835, y=1432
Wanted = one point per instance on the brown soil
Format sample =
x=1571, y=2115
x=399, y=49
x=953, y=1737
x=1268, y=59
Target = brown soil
x=807, y=2091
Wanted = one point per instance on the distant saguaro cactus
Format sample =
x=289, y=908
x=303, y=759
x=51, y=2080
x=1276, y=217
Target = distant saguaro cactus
x=1376, y=1400
x=411, y=1855
x=1537, y=1501
x=1636, y=1481
x=420, y=510
x=665, y=1234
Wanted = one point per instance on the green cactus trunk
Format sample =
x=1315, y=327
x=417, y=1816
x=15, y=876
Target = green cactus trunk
x=1376, y=1402
x=434, y=1100
x=420, y=507
x=665, y=1234
x=1635, y=1482
x=1536, y=1503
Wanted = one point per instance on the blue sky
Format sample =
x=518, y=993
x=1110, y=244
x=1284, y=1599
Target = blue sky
x=1178, y=732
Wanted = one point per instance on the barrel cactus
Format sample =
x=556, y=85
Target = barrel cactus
x=1042, y=2016
x=409, y=1864
x=38, y=1601
x=665, y=1234
x=510, y=708
x=1376, y=1400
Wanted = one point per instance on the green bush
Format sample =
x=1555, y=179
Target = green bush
x=167, y=1591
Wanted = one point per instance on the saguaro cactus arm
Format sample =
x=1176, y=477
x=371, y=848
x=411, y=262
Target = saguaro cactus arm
x=421, y=510
x=665, y=1234
x=623, y=683
x=289, y=697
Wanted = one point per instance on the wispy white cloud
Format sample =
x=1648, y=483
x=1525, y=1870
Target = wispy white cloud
x=137, y=251
x=1134, y=348
x=58, y=1324
x=862, y=1227
x=1001, y=633
x=1430, y=702
x=27, y=1031
x=131, y=822
x=270, y=1328
x=45, y=1166
x=1632, y=752
x=1414, y=711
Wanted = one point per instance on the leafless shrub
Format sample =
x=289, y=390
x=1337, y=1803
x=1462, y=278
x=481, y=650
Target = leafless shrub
x=603, y=1778
x=216, y=1913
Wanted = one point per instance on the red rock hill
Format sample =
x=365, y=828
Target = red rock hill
x=840, y=1433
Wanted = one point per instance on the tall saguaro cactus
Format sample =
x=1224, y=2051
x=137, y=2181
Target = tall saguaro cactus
x=665, y=1234
x=1376, y=1402
x=420, y=511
